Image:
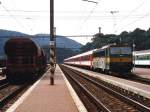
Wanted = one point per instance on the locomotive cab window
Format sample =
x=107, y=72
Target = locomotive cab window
x=120, y=50
x=99, y=53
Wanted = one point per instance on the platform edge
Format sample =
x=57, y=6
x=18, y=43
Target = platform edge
x=76, y=99
x=24, y=96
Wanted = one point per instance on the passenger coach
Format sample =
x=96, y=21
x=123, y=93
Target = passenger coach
x=82, y=60
x=142, y=58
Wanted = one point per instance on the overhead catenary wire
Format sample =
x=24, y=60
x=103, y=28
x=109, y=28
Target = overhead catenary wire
x=90, y=1
x=131, y=23
x=91, y=12
x=13, y=16
x=95, y=17
x=78, y=35
x=98, y=17
x=131, y=12
x=134, y=10
x=30, y=11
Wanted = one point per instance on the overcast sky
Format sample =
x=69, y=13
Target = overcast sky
x=75, y=17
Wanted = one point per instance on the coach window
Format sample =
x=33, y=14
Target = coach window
x=86, y=57
x=76, y=59
x=145, y=57
x=149, y=57
x=79, y=59
x=83, y=58
x=136, y=57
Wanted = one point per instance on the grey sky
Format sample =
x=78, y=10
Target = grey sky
x=75, y=17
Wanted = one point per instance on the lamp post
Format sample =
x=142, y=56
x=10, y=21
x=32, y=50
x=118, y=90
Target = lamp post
x=52, y=43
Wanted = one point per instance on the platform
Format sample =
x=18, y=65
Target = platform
x=43, y=97
x=142, y=72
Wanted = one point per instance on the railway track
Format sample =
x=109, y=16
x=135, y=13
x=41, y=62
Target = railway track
x=98, y=96
x=135, y=78
x=3, y=81
x=128, y=76
x=9, y=93
x=4, y=85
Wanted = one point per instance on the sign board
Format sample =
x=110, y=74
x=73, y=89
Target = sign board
x=52, y=43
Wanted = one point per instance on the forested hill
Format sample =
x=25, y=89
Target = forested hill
x=139, y=37
x=65, y=47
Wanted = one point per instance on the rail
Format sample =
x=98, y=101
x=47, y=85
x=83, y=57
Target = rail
x=126, y=99
x=100, y=106
x=6, y=98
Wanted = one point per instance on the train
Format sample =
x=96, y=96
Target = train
x=141, y=58
x=108, y=59
x=24, y=59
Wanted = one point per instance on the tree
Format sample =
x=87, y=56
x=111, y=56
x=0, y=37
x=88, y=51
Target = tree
x=140, y=37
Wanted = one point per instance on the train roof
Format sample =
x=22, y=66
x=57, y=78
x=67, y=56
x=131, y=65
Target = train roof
x=110, y=45
x=143, y=52
x=82, y=54
x=95, y=50
x=23, y=44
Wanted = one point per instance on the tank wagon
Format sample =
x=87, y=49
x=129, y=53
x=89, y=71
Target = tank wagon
x=110, y=58
x=25, y=59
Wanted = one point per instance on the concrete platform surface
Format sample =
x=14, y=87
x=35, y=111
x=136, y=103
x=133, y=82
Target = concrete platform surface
x=47, y=98
x=142, y=72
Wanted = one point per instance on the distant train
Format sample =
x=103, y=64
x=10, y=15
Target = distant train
x=25, y=59
x=142, y=58
x=110, y=58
